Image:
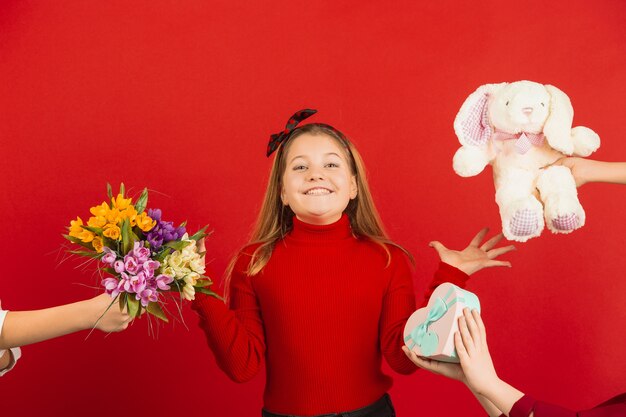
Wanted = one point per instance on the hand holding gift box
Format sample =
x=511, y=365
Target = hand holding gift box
x=429, y=332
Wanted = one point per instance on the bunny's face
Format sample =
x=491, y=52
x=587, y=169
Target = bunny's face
x=521, y=106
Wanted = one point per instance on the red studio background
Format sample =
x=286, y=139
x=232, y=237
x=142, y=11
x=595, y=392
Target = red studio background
x=181, y=96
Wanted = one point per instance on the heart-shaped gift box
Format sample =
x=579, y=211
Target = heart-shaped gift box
x=429, y=332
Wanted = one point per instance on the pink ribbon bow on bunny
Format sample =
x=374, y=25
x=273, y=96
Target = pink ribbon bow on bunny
x=524, y=140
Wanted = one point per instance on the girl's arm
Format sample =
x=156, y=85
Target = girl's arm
x=235, y=332
x=588, y=170
x=26, y=327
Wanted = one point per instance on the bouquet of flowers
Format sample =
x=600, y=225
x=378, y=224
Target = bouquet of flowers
x=144, y=255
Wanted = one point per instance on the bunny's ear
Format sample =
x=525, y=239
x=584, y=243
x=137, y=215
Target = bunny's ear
x=558, y=126
x=471, y=124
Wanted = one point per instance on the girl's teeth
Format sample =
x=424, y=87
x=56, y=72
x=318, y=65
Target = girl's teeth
x=318, y=191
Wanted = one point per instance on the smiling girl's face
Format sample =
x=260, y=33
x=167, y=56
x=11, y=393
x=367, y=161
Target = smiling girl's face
x=317, y=183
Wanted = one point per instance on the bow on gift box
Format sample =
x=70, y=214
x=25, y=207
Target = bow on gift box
x=420, y=335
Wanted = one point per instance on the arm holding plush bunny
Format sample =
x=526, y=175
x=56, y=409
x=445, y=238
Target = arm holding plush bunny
x=588, y=170
x=498, y=398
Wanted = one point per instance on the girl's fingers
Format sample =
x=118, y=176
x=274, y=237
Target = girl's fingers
x=493, y=263
x=491, y=243
x=494, y=253
x=479, y=238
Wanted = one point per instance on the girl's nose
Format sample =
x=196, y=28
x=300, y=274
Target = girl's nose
x=314, y=175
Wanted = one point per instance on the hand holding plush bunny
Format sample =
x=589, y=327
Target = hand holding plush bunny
x=521, y=128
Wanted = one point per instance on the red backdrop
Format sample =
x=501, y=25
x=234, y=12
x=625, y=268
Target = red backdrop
x=181, y=97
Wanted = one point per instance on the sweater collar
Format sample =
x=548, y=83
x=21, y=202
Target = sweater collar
x=326, y=232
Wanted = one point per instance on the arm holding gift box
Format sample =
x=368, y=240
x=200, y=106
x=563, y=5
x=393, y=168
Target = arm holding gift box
x=498, y=398
x=26, y=327
x=587, y=170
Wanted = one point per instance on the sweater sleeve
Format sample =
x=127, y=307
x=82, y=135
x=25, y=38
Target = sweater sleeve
x=398, y=305
x=235, y=333
x=445, y=273
x=525, y=405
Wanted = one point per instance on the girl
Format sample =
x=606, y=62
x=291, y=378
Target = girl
x=19, y=328
x=319, y=279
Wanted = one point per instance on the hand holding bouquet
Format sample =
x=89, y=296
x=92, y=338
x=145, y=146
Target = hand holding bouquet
x=145, y=256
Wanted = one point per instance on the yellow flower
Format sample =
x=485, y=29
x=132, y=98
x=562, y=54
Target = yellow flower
x=114, y=216
x=75, y=227
x=120, y=202
x=101, y=210
x=86, y=236
x=112, y=231
x=97, y=244
x=129, y=213
x=97, y=222
x=144, y=222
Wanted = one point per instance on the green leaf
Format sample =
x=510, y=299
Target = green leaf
x=127, y=239
x=177, y=244
x=123, y=297
x=209, y=292
x=183, y=224
x=155, y=309
x=134, y=308
x=122, y=189
x=110, y=271
x=142, y=202
x=96, y=230
x=200, y=234
x=78, y=241
x=109, y=191
x=94, y=255
x=161, y=256
x=203, y=281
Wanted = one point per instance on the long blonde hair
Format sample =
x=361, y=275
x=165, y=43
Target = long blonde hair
x=276, y=220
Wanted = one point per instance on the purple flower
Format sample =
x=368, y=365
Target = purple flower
x=138, y=282
x=146, y=296
x=162, y=281
x=150, y=266
x=154, y=214
x=119, y=266
x=141, y=252
x=130, y=264
x=109, y=256
x=125, y=282
x=162, y=232
x=111, y=286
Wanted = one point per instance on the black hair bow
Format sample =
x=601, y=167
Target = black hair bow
x=277, y=138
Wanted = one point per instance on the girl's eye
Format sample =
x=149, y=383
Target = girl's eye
x=332, y=165
x=299, y=168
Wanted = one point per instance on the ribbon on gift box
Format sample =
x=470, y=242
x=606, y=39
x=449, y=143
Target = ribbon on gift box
x=420, y=336
x=430, y=330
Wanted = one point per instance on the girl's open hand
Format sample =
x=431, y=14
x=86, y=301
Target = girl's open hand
x=475, y=256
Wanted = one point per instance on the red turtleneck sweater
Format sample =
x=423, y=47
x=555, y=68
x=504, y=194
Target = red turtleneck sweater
x=322, y=314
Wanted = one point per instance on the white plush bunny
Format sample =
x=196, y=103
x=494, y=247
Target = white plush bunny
x=521, y=128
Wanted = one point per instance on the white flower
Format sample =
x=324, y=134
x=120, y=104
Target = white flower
x=192, y=278
x=189, y=292
x=197, y=265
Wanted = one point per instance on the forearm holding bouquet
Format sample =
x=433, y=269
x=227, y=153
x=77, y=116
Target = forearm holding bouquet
x=143, y=256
